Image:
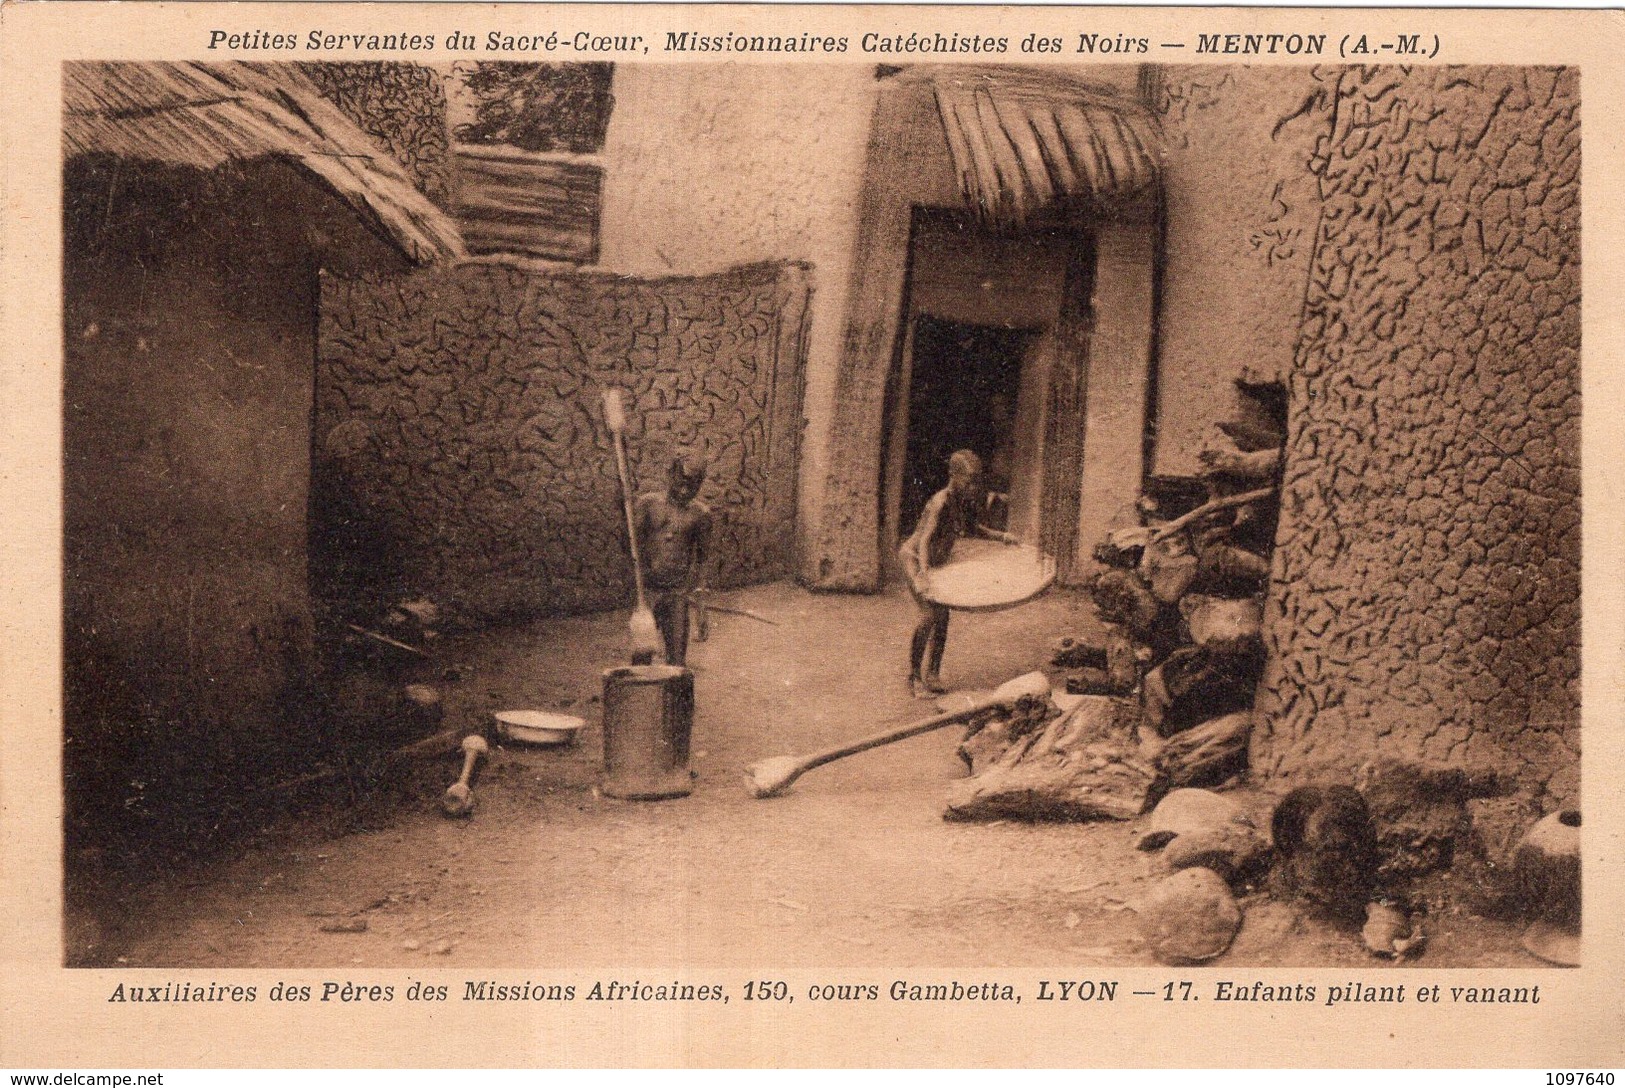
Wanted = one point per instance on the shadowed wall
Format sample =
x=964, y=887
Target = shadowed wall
x=188, y=367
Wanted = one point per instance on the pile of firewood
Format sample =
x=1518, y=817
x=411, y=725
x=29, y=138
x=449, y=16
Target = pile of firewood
x=1181, y=601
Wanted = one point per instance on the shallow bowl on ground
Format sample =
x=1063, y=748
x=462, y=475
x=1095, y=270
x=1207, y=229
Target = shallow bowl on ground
x=538, y=726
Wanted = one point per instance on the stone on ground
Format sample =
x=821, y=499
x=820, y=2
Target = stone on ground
x=1189, y=917
x=1392, y=932
x=1185, y=811
x=1205, y=830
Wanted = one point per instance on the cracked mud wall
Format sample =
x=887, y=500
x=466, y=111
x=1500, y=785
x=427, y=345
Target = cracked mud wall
x=1426, y=598
x=465, y=404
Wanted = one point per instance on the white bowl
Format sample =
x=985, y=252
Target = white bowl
x=538, y=726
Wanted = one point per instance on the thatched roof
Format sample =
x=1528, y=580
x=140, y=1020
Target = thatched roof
x=202, y=115
x=1025, y=142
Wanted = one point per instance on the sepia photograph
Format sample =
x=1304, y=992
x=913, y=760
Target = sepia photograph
x=719, y=536
x=494, y=492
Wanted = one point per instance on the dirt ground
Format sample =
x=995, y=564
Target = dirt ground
x=853, y=867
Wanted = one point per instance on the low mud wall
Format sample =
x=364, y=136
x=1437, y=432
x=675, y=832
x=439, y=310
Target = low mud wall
x=461, y=451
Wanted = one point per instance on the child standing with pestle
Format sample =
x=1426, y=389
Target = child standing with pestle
x=674, y=535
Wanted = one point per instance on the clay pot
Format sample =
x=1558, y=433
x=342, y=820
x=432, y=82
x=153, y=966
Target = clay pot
x=1547, y=864
x=1547, y=868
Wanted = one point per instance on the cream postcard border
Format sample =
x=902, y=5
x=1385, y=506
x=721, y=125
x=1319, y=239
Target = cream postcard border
x=52, y=1017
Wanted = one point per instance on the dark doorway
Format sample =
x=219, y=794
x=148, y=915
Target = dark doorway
x=963, y=392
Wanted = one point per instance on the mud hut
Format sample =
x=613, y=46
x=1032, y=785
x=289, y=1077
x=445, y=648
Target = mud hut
x=202, y=203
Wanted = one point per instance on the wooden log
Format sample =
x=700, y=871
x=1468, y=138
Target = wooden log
x=1225, y=570
x=982, y=749
x=1227, y=502
x=1124, y=656
x=1085, y=765
x=1122, y=597
x=1257, y=465
x=1233, y=624
x=1077, y=653
x=1199, y=683
x=1092, y=682
x=1207, y=754
x=1169, y=569
x=990, y=734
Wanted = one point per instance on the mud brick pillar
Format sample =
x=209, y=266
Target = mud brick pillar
x=1426, y=596
x=1118, y=381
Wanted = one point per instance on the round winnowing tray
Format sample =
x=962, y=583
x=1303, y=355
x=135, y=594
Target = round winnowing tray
x=986, y=576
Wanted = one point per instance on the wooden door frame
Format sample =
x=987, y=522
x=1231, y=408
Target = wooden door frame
x=1057, y=484
x=843, y=545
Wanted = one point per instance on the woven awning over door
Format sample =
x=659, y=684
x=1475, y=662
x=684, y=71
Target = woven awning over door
x=1026, y=144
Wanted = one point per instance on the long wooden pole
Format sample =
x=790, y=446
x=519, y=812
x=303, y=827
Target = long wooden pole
x=1225, y=503
x=645, y=635
x=768, y=777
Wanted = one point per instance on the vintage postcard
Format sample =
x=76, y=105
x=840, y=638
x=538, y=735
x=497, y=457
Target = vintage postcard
x=716, y=535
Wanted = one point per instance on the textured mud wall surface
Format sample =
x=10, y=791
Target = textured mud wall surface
x=188, y=304
x=402, y=107
x=470, y=405
x=1427, y=585
x=1241, y=212
x=709, y=166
